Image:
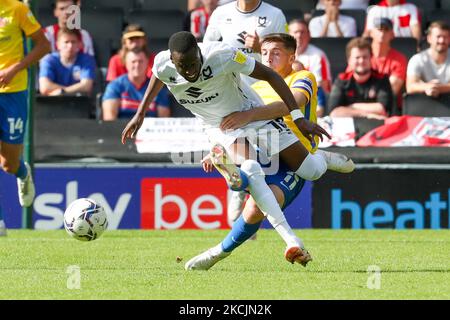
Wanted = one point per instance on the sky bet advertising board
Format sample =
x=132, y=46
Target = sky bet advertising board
x=135, y=198
x=188, y=198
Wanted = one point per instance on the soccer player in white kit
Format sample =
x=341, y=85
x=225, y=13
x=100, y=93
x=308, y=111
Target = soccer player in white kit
x=241, y=23
x=205, y=78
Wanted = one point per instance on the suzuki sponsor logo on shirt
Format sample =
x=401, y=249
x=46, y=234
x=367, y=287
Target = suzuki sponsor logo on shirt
x=196, y=93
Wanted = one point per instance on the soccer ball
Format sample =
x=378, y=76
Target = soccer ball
x=85, y=220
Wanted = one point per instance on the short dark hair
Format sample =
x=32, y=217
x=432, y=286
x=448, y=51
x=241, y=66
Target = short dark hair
x=287, y=40
x=360, y=43
x=182, y=42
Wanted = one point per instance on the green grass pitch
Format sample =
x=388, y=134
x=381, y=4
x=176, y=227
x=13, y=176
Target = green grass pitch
x=142, y=265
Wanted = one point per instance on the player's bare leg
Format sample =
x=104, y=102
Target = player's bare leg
x=11, y=163
x=249, y=223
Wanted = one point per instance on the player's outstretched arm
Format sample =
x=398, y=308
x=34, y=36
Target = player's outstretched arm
x=237, y=120
x=306, y=127
x=135, y=123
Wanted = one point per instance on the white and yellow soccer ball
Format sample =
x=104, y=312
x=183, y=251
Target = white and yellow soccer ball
x=85, y=220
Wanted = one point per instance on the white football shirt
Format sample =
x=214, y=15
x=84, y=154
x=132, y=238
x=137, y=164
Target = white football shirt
x=218, y=91
x=230, y=25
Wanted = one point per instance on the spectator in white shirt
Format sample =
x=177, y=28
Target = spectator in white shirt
x=429, y=71
x=404, y=16
x=332, y=24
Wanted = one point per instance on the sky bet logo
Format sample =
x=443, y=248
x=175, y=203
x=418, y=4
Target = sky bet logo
x=184, y=203
x=433, y=213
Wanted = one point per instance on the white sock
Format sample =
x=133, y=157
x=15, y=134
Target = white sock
x=267, y=202
x=313, y=167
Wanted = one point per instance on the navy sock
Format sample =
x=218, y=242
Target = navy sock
x=22, y=172
x=240, y=232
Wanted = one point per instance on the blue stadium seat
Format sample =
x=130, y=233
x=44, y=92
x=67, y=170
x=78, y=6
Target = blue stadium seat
x=158, y=24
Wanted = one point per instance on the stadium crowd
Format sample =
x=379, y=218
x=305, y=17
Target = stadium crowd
x=371, y=59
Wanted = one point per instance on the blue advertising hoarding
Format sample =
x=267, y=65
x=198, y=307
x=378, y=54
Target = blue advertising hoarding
x=121, y=190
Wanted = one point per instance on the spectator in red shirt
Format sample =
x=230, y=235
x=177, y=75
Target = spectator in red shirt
x=361, y=92
x=385, y=59
x=133, y=38
x=197, y=20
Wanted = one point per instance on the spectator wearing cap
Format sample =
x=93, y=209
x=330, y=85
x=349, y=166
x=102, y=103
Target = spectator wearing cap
x=429, y=71
x=362, y=91
x=62, y=13
x=404, y=16
x=133, y=38
x=124, y=94
x=332, y=23
x=385, y=59
x=67, y=71
x=312, y=57
x=196, y=21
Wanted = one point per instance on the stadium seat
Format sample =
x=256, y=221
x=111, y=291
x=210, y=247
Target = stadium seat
x=63, y=107
x=156, y=45
x=45, y=17
x=407, y=46
x=425, y=106
x=445, y=4
x=103, y=51
x=162, y=5
x=335, y=50
x=293, y=14
x=158, y=24
x=105, y=25
x=305, y=6
x=45, y=4
x=425, y=4
x=126, y=6
x=358, y=15
x=439, y=14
